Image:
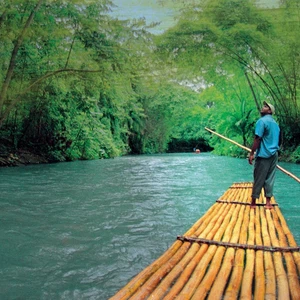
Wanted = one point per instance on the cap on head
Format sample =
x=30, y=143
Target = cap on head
x=272, y=108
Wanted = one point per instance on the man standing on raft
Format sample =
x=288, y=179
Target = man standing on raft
x=265, y=147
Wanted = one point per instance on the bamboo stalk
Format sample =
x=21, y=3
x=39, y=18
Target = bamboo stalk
x=246, y=289
x=131, y=287
x=259, y=288
x=270, y=293
x=290, y=263
x=202, y=220
x=233, y=287
x=282, y=281
x=227, y=139
x=141, y=278
x=244, y=195
x=166, y=283
x=222, y=277
x=290, y=238
x=185, y=276
x=152, y=282
x=248, y=149
x=209, y=222
x=286, y=229
x=200, y=270
x=209, y=232
x=215, y=265
x=206, y=283
x=206, y=230
x=219, y=284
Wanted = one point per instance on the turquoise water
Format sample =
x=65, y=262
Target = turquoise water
x=82, y=230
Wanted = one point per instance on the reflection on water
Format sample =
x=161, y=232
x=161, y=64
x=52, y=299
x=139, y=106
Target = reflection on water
x=81, y=230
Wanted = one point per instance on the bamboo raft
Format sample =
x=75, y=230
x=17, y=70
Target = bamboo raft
x=232, y=252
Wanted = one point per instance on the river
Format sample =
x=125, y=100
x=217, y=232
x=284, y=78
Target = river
x=82, y=230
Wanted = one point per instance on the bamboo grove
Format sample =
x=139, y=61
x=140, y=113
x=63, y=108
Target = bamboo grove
x=78, y=83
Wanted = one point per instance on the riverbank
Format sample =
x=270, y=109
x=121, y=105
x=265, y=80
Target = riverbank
x=20, y=158
x=26, y=156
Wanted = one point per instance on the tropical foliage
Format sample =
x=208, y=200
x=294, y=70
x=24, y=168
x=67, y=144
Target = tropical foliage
x=245, y=55
x=77, y=83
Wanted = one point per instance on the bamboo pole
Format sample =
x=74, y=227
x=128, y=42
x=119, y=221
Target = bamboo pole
x=290, y=263
x=248, y=149
x=208, y=280
x=246, y=288
x=281, y=277
x=259, y=287
x=215, y=256
x=290, y=238
x=153, y=281
x=233, y=287
x=186, y=273
x=166, y=283
x=270, y=293
x=200, y=270
x=210, y=232
x=218, y=262
x=209, y=222
x=222, y=277
x=142, y=277
x=205, y=228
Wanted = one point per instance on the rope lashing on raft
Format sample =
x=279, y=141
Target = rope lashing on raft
x=234, y=245
x=243, y=203
x=241, y=187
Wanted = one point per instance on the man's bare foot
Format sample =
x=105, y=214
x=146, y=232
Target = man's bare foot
x=268, y=206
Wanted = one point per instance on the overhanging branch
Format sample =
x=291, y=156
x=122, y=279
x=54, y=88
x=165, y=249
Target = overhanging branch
x=12, y=104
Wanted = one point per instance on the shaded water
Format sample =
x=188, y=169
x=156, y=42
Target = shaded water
x=82, y=230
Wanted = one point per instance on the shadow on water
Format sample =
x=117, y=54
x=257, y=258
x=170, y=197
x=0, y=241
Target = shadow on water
x=81, y=230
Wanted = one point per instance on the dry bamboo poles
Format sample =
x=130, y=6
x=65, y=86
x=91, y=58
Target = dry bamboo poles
x=249, y=150
x=232, y=252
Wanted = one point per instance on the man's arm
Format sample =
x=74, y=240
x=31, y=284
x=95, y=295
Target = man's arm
x=255, y=146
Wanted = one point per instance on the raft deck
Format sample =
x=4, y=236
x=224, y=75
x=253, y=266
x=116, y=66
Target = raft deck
x=232, y=252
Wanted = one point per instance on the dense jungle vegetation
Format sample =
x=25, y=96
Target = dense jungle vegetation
x=77, y=83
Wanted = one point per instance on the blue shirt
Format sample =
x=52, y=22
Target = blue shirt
x=268, y=131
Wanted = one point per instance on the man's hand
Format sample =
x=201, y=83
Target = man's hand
x=255, y=146
x=250, y=159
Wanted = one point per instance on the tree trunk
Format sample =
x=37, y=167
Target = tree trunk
x=12, y=62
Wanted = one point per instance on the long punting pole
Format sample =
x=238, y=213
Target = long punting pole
x=248, y=149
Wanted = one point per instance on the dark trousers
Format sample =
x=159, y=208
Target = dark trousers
x=264, y=175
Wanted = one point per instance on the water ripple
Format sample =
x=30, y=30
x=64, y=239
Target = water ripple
x=82, y=230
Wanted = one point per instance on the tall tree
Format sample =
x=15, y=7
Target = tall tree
x=66, y=56
x=229, y=38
